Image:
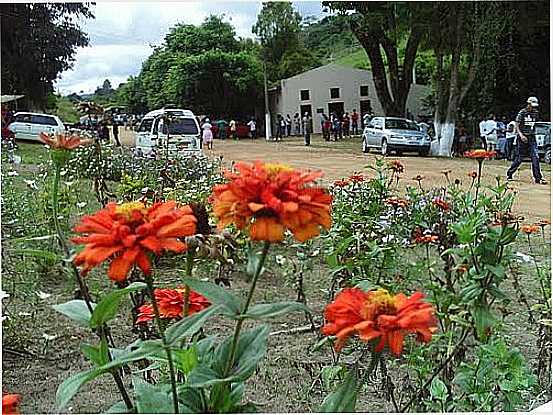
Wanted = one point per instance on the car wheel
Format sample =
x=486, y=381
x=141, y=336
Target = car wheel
x=547, y=156
x=365, y=146
x=399, y=153
x=423, y=153
x=384, y=148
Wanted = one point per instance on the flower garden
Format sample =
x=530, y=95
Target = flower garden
x=182, y=285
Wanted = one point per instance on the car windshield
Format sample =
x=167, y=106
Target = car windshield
x=182, y=126
x=399, y=124
x=146, y=125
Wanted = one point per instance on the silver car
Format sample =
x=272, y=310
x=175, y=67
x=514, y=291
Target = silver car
x=395, y=134
x=29, y=125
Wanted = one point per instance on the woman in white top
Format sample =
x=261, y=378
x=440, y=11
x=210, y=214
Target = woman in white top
x=207, y=135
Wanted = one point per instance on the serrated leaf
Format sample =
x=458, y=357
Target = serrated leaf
x=107, y=308
x=76, y=310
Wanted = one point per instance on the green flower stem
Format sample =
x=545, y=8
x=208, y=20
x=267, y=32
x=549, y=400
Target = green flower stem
x=150, y=285
x=241, y=319
x=103, y=331
x=189, y=266
x=480, y=162
x=538, y=272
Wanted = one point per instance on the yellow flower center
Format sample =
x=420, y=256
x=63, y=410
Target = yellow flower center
x=379, y=302
x=275, y=168
x=126, y=209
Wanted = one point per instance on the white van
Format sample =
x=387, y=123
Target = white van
x=29, y=125
x=180, y=135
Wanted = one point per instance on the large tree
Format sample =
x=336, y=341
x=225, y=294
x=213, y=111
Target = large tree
x=381, y=28
x=39, y=41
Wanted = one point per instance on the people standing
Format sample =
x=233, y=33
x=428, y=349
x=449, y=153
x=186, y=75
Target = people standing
x=482, y=127
x=253, y=129
x=526, y=140
x=307, y=124
x=336, y=127
x=222, y=129
x=207, y=134
x=297, y=124
x=345, y=124
x=327, y=126
x=501, y=125
x=288, y=125
x=510, y=137
x=322, y=118
x=354, y=122
x=232, y=126
x=115, y=131
x=103, y=131
x=279, y=129
x=491, y=137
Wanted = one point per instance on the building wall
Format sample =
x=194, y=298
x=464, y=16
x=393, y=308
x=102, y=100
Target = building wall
x=320, y=80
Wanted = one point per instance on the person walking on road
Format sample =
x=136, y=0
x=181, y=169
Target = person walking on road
x=232, y=126
x=307, y=123
x=526, y=140
x=115, y=131
x=207, y=135
x=253, y=129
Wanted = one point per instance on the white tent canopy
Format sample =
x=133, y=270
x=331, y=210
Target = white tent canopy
x=10, y=98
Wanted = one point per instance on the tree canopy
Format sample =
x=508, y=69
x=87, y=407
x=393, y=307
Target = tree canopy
x=39, y=41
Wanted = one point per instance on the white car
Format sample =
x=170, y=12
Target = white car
x=29, y=125
x=180, y=134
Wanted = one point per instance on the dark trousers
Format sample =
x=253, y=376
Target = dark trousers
x=354, y=130
x=509, y=148
x=307, y=137
x=524, y=149
x=116, y=138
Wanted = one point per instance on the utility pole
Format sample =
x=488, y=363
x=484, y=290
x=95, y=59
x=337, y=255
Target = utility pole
x=267, y=110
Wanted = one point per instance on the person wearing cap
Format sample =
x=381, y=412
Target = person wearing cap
x=526, y=140
x=207, y=135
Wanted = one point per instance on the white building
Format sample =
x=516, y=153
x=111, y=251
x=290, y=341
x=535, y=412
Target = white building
x=332, y=88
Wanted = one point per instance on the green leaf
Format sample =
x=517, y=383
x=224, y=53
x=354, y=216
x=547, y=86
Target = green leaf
x=215, y=294
x=203, y=376
x=151, y=399
x=37, y=253
x=118, y=408
x=76, y=310
x=266, y=311
x=483, y=320
x=186, y=359
x=344, y=398
x=71, y=386
x=438, y=389
x=254, y=257
x=107, y=308
x=190, y=325
x=96, y=354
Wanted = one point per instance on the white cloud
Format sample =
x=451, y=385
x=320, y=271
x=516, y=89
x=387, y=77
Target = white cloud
x=122, y=33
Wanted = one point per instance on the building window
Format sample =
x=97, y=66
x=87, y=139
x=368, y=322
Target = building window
x=304, y=94
x=364, y=90
x=334, y=93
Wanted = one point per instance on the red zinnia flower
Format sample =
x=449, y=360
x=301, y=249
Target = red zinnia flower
x=267, y=199
x=442, y=204
x=530, y=229
x=342, y=183
x=379, y=315
x=480, y=154
x=10, y=403
x=356, y=178
x=395, y=166
x=396, y=202
x=62, y=141
x=170, y=303
x=125, y=233
x=427, y=239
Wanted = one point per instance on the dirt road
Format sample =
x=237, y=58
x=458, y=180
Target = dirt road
x=343, y=158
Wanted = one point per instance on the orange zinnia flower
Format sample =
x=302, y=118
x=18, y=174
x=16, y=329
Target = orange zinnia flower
x=379, y=315
x=543, y=223
x=125, y=233
x=529, y=229
x=63, y=142
x=356, y=178
x=442, y=204
x=342, y=183
x=480, y=154
x=170, y=303
x=395, y=166
x=396, y=202
x=427, y=239
x=267, y=199
x=10, y=403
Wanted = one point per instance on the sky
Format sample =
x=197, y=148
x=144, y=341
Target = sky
x=123, y=33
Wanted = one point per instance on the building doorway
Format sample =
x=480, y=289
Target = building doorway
x=306, y=108
x=337, y=107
